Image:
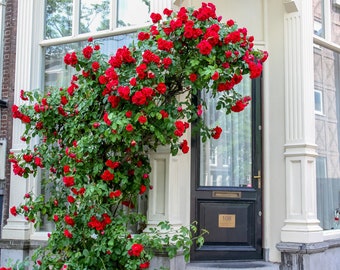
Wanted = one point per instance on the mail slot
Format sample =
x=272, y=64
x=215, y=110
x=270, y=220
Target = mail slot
x=226, y=221
x=226, y=194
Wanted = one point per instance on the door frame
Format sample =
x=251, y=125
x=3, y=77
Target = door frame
x=257, y=182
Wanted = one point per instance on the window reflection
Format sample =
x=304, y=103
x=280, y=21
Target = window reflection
x=132, y=12
x=58, y=18
x=94, y=15
x=228, y=160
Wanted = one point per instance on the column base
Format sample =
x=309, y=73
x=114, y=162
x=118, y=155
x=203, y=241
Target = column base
x=16, y=229
x=302, y=232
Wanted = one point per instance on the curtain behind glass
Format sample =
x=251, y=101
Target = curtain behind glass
x=228, y=160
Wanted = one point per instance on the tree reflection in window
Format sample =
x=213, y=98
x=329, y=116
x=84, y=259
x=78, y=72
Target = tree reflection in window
x=94, y=15
x=58, y=18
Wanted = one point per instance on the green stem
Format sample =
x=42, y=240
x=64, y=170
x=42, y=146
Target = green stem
x=102, y=263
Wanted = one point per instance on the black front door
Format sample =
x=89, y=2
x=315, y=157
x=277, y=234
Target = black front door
x=226, y=193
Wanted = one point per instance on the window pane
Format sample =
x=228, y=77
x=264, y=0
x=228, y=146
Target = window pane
x=335, y=19
x=327, y=127
x=318, y=18
x=127, y=10
x=228, y=160
x=94, y=15
x=58, y=18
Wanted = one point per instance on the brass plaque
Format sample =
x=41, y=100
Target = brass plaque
x=226, y=221
x=226, y=194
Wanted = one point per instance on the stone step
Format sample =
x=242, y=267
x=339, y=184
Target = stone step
x=251, y=265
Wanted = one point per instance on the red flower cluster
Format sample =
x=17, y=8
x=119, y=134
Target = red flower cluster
x=241, y=104
x=136, y=250
x=97, y=224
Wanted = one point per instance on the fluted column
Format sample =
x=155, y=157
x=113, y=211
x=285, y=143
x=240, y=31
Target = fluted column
x=301, y=223
x=17, y=227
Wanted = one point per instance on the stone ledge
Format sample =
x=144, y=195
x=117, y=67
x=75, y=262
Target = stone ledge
x=308, y=248
x=20, y=244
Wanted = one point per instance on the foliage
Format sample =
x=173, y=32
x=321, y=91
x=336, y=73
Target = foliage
x=96, y=135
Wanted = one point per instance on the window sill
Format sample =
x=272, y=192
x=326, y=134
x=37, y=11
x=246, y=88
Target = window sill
x=331, y=234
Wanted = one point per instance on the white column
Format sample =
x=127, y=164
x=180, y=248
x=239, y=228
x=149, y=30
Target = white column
x=301, y=223
x=17, y=227
x=170, y=197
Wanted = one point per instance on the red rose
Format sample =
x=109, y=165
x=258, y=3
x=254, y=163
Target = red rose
x=184, y=147
x=95, y=66
x=136, y=250
x=142, y=189
x=241, y=104
x=138, y=98
x=87, y=52
x=144, y=265
x=56, y=218
x=27, y=157
x=71, y=199
x=106, y=119
x=216, y=132
x=128, y=114
x=68, y=234
x=124, y=92
x=38, y=162
x=155, y=17
x=112, y=164
x=96, y=125
x=204, y=47
x=68, y=181
x=192, y=77
x=107, y=175
x=22, y=95
x=164, y=114
x=13, y=210
x=129, y=127
x=115, y=193
x=69, y=220
x=142, y=119
x=167, y=62
x=114, y=100
x=215, y=76
x=161, y=88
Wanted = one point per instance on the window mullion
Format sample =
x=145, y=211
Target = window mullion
x=113, y=14
x=327, y=19
x=76, y=17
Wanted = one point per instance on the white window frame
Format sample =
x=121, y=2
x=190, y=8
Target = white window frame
x=37, y=58
x=320, y=93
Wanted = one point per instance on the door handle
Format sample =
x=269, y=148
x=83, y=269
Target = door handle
x=258, y=177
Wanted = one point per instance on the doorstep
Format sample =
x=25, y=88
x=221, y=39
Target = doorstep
x=232, y=265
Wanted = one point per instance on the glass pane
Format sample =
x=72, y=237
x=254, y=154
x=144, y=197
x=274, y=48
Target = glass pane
x=318, y=18
x=58, y=18
x=228, y=160
x=335, y=19
x=94, y=15
x=132, y=12
x=327, y=128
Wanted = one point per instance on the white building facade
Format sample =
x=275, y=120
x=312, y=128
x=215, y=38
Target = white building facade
x=280, y=201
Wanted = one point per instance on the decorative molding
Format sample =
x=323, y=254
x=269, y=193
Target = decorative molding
x=290, y=6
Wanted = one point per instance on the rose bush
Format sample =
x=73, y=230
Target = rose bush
x=97, y=133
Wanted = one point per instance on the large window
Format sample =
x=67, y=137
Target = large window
x=327, y=110
x=69, y=23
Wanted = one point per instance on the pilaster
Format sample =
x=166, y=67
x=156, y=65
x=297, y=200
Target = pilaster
x=301, y=223
x=170, y=197
x=17, y=227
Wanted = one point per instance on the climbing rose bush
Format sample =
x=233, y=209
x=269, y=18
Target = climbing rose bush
x=95, y=135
